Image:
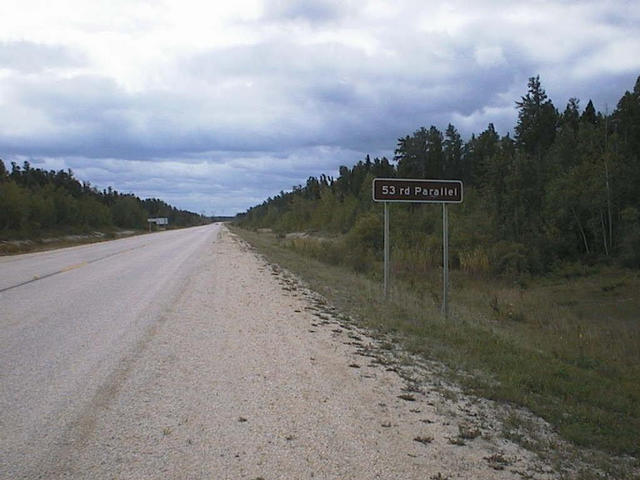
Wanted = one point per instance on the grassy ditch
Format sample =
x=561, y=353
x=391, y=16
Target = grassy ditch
x=56, y=240
x=566, y=347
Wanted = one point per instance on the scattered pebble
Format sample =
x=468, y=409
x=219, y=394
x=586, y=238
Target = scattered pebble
x=423, y=439
x=407, y=397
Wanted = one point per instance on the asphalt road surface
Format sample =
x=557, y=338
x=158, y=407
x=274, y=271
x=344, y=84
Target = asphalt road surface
x=67, y=318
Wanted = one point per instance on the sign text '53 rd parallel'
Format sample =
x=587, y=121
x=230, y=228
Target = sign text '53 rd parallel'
x=412, y=190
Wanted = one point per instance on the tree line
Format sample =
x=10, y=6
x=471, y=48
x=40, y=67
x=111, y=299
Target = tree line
x=34, y=202
x=565, y=187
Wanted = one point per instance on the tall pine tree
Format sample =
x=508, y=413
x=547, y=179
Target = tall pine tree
x=537, y=120
x=453, y=147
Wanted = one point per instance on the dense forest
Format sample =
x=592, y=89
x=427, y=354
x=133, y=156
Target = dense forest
x=563, y=189
x=34, y=202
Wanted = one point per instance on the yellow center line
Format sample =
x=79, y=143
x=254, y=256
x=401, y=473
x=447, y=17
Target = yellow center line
x=35, y=278
x=73, y=267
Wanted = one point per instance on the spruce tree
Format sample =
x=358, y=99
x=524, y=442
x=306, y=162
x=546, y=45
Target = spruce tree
x=589, y=115
x=453, y=146
x=537, y=120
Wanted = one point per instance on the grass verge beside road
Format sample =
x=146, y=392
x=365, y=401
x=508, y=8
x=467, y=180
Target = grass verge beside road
x=61, y=240
x=566, y=348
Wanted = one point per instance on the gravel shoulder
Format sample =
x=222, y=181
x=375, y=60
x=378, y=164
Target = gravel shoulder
x=250, y=375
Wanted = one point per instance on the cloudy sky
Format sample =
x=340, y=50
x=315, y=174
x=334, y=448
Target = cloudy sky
x=214, y=106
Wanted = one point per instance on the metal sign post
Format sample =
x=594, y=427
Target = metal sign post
x=419, y=191
x=386, y=249
x=445, y=260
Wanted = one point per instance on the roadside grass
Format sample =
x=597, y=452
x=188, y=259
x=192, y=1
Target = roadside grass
x=568, y=349
x=53, y=240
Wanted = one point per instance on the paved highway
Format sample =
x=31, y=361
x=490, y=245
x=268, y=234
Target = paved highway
x=67, y=320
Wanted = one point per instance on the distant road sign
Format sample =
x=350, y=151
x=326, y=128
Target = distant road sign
x=413, y=190
x=159, y=220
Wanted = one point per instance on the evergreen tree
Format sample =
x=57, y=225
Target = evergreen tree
x=627, y=119
x=494, y=188
x=570, y=119
x=478, y=153
x=4, y=175
x=435, y=154
x=453, y=150
x=411, y=154
x=563, y=153
x=420, y=155
x=589, y=115
x=537, y=119
x=382, y=168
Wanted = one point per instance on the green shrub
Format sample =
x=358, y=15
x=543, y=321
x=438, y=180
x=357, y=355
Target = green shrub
x=367, y=234
x=509, y=258
x=328, y=251
x=474, y=261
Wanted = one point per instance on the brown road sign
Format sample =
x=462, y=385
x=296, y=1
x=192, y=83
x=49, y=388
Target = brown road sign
x=412, y=190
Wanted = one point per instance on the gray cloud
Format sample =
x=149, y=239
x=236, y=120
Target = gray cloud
x=223, y=182
x=30, y=57
x=316, y=11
